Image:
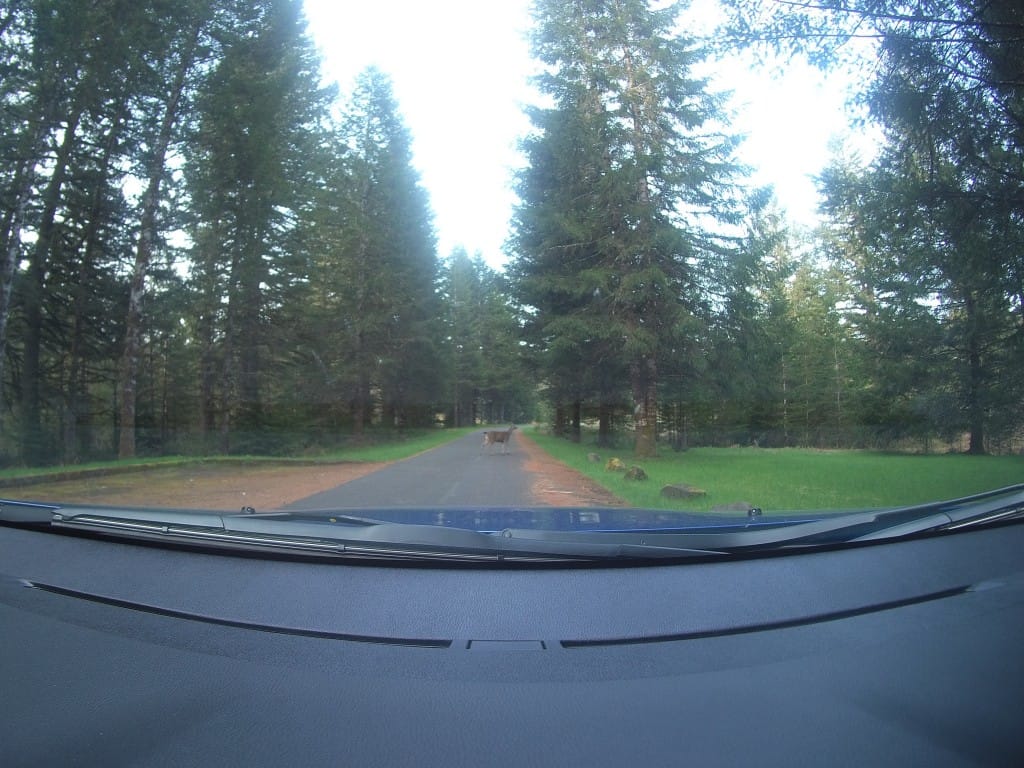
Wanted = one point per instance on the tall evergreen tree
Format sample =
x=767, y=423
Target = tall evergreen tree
x=464, y=298
x=752, y=329
x=261, y=109
x=938, y=213
x=76, y=72
x=557, y=268
x=487, y=379
x=623, y=86
x=939, y=208
x=173, y=62
x=390, y=263
x=24, y=117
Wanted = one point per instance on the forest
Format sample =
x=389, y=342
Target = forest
x=204, y=248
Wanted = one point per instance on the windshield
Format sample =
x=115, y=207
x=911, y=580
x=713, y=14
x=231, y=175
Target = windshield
x=589, y=267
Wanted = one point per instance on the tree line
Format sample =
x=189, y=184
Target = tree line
x=205, y=249
x=663, y=295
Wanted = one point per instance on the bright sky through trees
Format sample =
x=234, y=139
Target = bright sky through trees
x=460, y=70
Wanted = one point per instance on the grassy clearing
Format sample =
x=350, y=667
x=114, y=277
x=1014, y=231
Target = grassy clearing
x=793, y=479
x=19, y=473
x=378, y=451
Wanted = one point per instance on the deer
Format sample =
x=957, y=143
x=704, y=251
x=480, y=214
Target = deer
x=503, y=436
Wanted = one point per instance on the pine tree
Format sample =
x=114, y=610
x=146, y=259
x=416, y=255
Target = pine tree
x=937, y=211
x=487, y=379
x=464, y=297
x=76, y=76
x=651, y=174
x=260, y=109
x=390, y=264
x=174, y=63
x=751, y=332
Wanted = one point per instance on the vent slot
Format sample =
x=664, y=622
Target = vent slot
x=505, y=645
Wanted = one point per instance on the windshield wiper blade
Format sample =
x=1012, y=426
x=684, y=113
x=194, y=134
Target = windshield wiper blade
x=853, y=527
x=334, y=534
x=966, y=512
x=354, y=537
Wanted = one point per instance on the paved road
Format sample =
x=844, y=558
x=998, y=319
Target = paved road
x=456, y=474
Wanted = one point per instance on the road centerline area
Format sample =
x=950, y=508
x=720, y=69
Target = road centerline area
x=459, y=473
x=462, y=473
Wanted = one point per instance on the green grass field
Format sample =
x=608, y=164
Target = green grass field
x=791, y=479
x=377, y=449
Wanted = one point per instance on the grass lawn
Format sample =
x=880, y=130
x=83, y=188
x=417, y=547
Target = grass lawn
x=376, y=449
x=792, y=479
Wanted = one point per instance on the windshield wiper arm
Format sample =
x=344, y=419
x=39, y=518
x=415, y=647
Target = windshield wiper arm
x=342, y=535
x=966, y=512
x=871, y=525
x=356, y=537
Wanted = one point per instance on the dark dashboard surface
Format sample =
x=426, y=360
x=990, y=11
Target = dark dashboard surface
x=895, y=654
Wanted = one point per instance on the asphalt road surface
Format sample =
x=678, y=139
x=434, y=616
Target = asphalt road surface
x=456, y=474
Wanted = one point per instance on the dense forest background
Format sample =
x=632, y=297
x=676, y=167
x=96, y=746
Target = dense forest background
x=204, y=249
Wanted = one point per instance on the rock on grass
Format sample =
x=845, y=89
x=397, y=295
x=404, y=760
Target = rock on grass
x=682, y=491
x=635, y=473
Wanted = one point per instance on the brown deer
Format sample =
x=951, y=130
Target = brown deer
x=503, y=436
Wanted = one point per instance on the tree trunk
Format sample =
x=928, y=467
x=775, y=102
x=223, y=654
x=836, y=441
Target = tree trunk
x=90, y=246
x=456, y=411
x=31, y=427
x=129, y=360
x=206, y=333
x=224, y=405
x=30, y=152
x=227, y=371
x=975, y=382
x=644, y=382
x=11, y=234
x=559, y=426
x=360, y=405
x=575, y=432
x=249, y=338
x=604, y=425
x=207, y=384
x=128, y=371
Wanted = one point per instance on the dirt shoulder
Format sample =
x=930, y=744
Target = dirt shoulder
x=266, y=486
x=558, y=485
x=218, y=486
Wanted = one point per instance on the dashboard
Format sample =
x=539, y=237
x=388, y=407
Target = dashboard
x=900, y=653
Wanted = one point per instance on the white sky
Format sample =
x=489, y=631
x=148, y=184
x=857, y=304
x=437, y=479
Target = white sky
x=460, y=70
